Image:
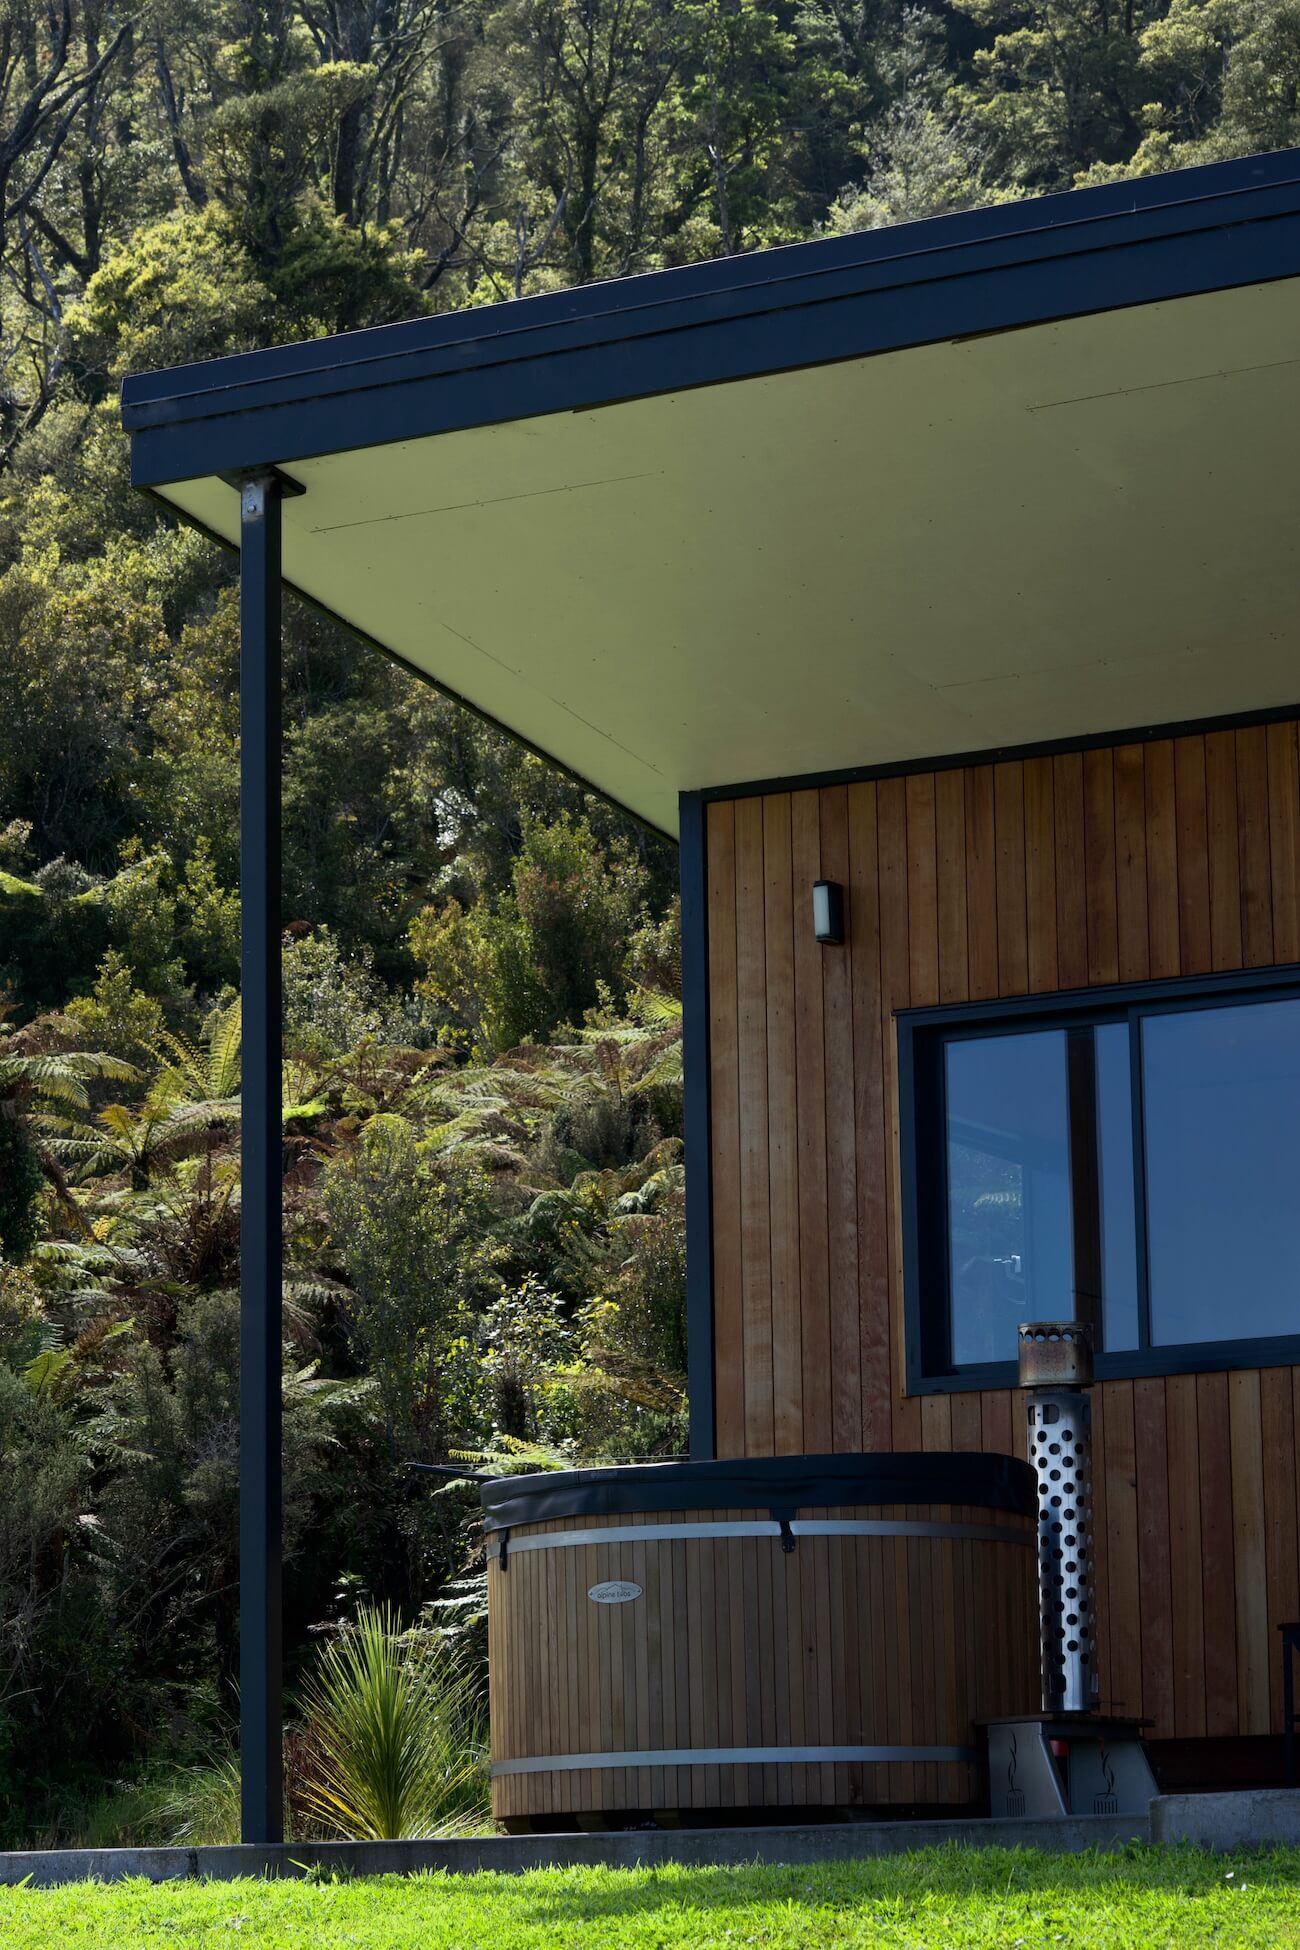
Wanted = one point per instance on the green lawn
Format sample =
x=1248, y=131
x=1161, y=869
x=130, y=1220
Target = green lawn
x=1013, y=1900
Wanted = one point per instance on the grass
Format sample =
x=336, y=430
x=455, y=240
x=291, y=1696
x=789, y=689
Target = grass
x=940, y=1899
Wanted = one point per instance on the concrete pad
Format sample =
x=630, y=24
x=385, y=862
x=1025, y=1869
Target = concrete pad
x=1247, y=1818
x=510, y=1854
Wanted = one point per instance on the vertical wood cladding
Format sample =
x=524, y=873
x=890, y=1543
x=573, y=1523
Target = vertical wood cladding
x=1175, y=857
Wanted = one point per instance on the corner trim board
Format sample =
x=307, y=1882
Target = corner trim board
x=701, y=1352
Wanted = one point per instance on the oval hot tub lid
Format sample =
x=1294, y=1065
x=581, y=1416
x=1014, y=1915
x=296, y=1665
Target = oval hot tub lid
x=781, y=1485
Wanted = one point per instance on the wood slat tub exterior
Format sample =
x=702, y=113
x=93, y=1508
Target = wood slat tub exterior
x=1160, y=857
x=848, y=1669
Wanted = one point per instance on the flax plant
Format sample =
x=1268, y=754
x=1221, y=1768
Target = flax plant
x=395, y=1726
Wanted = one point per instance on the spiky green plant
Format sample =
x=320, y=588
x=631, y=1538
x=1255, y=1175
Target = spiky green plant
x=395, y=1723
x=198, y=1807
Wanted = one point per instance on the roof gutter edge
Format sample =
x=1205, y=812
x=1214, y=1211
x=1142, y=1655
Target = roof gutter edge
x=624, y=308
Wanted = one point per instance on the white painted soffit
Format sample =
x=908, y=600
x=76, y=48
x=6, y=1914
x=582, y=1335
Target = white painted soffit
x=1061, y=530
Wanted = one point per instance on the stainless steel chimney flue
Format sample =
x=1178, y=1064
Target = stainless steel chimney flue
x=1056, y=1374
x=1070, y=1758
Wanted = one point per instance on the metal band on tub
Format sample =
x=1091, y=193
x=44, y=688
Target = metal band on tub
x=643, y=1533
x=727, y=1757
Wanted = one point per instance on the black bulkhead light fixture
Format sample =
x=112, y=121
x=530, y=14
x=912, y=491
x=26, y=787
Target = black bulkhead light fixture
x=828, y=912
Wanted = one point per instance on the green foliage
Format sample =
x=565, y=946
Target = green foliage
x=395, y=1730
x=211, y=934
x=483, y=1179
x=1217, y=79
x=48, y=946
x=510, y=971
x=21, y=1325
x=525, y=1341
x=189, y=1807
x=575, y=911
x=196, y=283
x=180, y=288
x=408, y=1233
x=654, y=955
x=116, y=1016
x=21, y=1182
x=15, y=849
x=331, y=277
x=332, y=1003
x=733, y=106
x=78, y=652
x=142, y=917
x=202, y=1074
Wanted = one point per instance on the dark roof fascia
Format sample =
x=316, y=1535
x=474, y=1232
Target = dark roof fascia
x=1196, y=230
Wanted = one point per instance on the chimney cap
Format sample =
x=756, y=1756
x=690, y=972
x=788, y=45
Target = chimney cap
x=1055, y=1354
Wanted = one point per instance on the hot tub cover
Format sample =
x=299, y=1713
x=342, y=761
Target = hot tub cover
x=781, y=1485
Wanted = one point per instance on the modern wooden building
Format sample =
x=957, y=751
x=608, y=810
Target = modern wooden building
x=954, y=566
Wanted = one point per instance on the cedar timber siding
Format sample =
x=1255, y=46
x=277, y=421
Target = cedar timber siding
x=1166, y=858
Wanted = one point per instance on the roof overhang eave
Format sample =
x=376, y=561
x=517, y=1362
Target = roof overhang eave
x=956, y=277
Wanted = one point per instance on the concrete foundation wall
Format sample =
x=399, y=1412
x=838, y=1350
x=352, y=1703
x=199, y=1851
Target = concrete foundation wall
x=509, y=1854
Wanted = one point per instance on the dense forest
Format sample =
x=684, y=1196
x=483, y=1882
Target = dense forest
x=482, y=1136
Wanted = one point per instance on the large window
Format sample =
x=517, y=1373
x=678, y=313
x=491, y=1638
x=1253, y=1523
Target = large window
x=1133, y=1162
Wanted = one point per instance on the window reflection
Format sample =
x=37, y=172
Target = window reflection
x=1008, y=1189
x=1052, y=1202
x=1040, y=1187
x=1221, y=1092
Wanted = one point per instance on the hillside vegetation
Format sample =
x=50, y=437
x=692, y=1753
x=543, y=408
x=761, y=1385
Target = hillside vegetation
x=482, y=1138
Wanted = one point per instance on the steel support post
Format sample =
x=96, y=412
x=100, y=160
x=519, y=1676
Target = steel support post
x=260, y=1239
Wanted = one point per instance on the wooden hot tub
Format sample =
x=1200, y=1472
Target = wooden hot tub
x=811, y=1632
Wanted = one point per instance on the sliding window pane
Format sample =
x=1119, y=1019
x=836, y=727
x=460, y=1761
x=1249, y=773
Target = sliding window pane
x=1010, y=1249
x=1221, y=1095
x=1119, y=1288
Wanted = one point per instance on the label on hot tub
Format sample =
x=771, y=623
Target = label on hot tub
x=617, y=1591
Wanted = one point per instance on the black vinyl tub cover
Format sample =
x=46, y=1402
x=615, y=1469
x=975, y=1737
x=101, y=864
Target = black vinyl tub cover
x=780, y=1485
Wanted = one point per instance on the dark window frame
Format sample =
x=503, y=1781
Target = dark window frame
x=921, y=1034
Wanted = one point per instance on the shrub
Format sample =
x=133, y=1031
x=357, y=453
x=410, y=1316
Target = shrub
x=395, y=1729
x=142, y=918
x=331, y=1002
x=512, y=971
x=50, y=942
x=116, y=1016
x=212, y=926
x=524, y=1339
x=21, y=1326
x=409, y=1234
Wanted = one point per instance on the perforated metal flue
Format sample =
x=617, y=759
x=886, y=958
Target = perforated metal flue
x=1055, y=1369
x=1060, y=1449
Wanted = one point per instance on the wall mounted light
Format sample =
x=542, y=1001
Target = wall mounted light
x=828, y=912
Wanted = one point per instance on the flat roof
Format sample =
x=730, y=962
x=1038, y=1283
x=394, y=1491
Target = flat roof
x=1010, y=476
